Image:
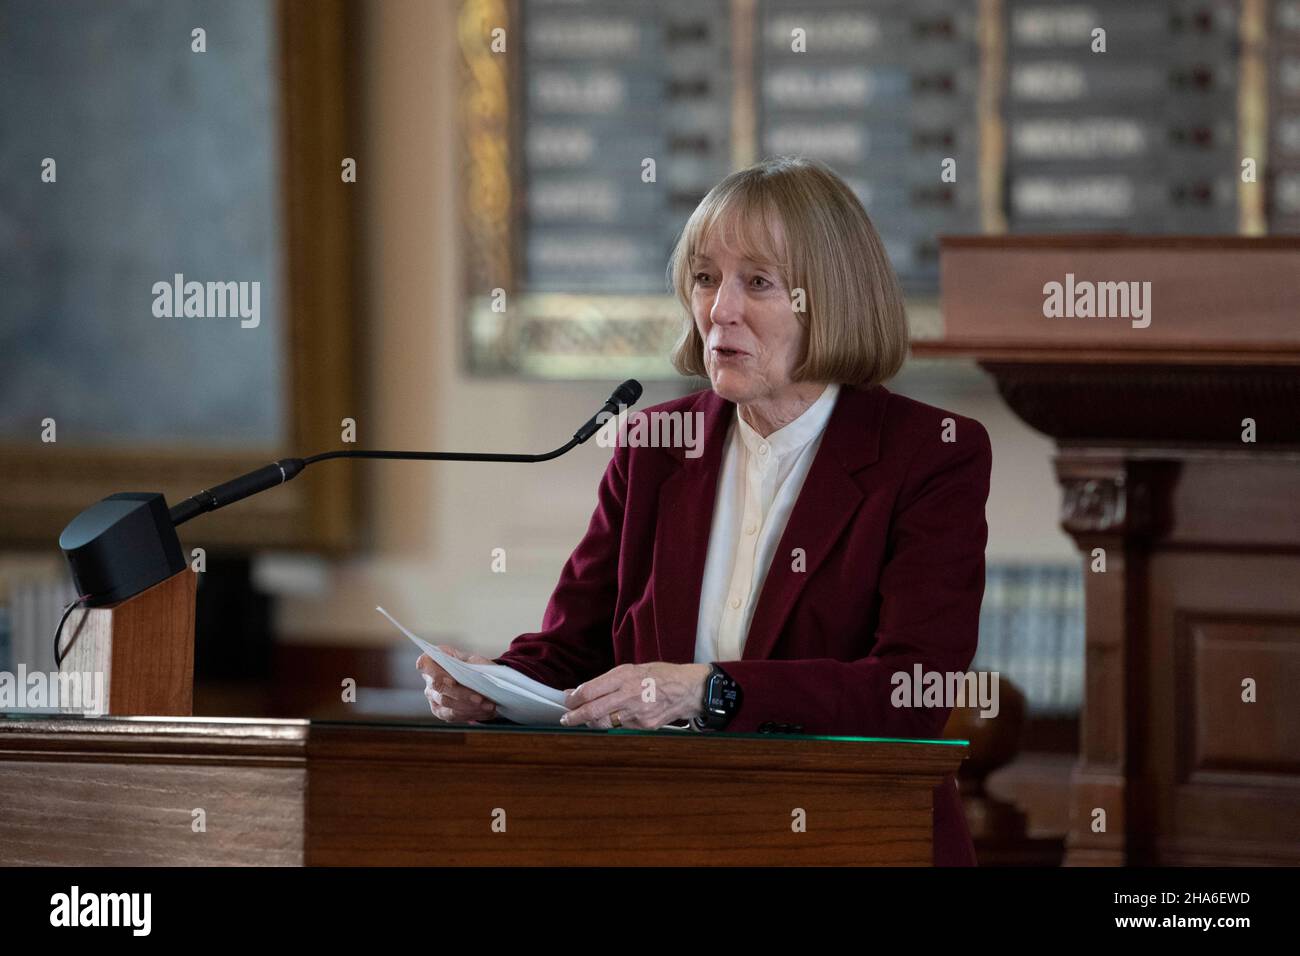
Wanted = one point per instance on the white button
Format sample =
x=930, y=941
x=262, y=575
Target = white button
x=750, y=530
x=762, y=449
x=735, y=602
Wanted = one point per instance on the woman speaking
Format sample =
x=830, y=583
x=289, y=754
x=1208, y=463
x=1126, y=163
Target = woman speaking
x=828, y=535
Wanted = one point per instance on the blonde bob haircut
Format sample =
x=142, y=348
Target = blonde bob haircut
x=854, y=315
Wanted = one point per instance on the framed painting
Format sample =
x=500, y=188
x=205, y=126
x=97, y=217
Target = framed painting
x=178, y=242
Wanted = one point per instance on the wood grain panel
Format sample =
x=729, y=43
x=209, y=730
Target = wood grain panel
x=586, y=799
x=1226, y=733
x=109, y=792
x=409, y=815
x=140, y=814
x=1219, y=782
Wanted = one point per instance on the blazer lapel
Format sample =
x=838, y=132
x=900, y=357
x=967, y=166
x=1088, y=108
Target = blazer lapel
x=827, y=502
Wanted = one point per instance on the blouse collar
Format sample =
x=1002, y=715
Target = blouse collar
x=793, y=436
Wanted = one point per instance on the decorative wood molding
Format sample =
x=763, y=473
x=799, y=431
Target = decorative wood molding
x=490, y=201
x=1252, y=115
x=1168, y=404
x=992, y=141
x=744, y=96
x=1095, y=505
x=319, y=80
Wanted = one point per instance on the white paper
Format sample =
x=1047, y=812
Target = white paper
x=518, y=697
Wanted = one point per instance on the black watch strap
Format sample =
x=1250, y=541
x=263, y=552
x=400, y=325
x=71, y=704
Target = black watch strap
x=722, y=698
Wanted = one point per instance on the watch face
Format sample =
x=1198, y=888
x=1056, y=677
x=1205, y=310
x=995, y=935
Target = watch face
x=721, y=698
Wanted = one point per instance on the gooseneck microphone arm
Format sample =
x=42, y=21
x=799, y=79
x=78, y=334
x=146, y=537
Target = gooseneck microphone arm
x=441, y=455
x=277, y=473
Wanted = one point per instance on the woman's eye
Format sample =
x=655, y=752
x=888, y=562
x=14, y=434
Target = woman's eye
x=702, y=278
x=761, y=283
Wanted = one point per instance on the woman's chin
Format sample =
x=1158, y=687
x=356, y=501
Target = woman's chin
x=731, y=384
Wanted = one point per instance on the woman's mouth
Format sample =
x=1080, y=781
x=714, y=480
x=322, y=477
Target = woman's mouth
x=727, y=353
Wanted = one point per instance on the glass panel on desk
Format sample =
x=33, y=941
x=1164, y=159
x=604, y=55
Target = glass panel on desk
x=41, y=717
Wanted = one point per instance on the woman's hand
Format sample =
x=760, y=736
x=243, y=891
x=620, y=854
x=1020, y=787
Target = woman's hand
x=449, y=700
x=645, y=696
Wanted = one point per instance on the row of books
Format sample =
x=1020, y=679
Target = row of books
x=1032, y=633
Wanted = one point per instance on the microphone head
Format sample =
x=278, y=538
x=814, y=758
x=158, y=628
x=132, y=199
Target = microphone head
x=121, y=546
x=627, y=393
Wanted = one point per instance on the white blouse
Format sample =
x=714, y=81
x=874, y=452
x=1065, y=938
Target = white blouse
x=757, y=489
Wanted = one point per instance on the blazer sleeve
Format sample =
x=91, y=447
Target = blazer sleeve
x=930, y=587
x=576, y=642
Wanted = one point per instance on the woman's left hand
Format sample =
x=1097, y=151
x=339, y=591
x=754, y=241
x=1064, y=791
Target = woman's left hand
x=644, y=696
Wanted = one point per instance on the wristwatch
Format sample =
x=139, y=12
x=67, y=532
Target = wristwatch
x=722, y=698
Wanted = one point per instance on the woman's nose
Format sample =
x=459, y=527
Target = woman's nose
x=728, y=304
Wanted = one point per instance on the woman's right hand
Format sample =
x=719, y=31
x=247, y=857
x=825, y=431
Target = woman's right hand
x=450, y=701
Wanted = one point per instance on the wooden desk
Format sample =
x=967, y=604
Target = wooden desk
x=124, y=791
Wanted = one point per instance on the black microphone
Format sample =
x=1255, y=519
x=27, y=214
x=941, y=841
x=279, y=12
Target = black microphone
x=127, y=542
x=268, y=476
x=623, y=397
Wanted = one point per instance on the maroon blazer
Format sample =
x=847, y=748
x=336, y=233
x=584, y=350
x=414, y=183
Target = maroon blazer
x=891, y=520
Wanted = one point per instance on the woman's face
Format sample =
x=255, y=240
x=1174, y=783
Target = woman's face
x=743, y=311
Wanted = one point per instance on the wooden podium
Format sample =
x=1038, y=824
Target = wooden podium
x=145, y=791
x=144, y=647
x=149, y=785
x=1179, y=464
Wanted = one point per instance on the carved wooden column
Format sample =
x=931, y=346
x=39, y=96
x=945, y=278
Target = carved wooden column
x=1105, y=509
x=1178, y=456
x=1114, y=505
